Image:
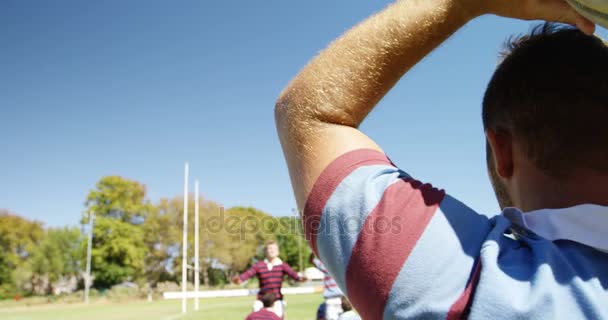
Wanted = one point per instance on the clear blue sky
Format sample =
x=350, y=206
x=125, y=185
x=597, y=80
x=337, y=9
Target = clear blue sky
x=135, y=88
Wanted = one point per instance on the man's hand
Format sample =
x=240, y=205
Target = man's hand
x=303, y=279
x=236, y=280
x=550, y=10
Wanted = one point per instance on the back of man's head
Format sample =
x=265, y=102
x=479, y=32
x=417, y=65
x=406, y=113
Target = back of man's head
x=550, y=92
x=268, y=299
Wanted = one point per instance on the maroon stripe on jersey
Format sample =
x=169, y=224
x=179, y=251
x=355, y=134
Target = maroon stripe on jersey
x=461, y=307
x=380, y=252
x=327, y=183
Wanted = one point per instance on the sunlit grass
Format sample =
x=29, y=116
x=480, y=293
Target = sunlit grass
x=299, y=307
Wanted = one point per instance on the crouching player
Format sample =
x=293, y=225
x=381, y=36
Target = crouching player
x=266, y=313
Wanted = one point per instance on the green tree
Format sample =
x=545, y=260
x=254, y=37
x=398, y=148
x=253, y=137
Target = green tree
x=118, y=252
x=119, y=198
x=58, y=255
x=7, y=285
x=21, y=236
x=19, y=239
x=212, y=241
x=161, y=237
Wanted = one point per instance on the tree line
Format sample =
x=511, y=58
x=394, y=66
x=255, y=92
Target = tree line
x=137, y=241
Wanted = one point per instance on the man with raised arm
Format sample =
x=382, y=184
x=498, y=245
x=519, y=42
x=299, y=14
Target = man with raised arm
x=544, y=115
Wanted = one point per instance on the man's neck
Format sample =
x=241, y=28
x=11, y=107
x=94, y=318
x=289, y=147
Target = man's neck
x=541, y=191
x=274, y=260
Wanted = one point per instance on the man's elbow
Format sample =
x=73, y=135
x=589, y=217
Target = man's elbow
x=299, y=105
x=281, y=110
x=290, y=112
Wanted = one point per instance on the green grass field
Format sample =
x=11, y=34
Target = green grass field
x=299, y=307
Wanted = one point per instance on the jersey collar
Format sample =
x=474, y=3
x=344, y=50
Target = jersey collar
x=586, y=224
x=275, y=262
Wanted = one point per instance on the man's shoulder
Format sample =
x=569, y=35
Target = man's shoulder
x=263, y=314
x=270, y=314
x=544, y=278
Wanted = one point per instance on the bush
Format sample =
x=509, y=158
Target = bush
x=217, y=277
x=123, y=293
x=7, y=291
x=167, y=286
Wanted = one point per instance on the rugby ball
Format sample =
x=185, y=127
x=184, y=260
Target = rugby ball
x=594, y=10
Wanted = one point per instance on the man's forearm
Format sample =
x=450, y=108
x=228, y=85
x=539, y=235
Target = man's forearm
x=344, y=83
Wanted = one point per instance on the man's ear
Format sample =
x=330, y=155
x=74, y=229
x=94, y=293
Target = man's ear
x=501, y=144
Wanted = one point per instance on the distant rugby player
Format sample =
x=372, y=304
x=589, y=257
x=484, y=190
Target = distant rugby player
x=331, y=308
x=270, y=273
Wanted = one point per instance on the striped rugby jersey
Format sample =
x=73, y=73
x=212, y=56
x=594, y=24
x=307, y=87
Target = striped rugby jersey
x=402, y=249
x=271, y=280
x=330, y=287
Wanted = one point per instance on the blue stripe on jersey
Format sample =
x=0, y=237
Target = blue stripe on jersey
x=436, y=272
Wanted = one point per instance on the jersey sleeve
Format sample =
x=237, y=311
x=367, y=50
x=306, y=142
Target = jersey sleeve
x=289, y=271
x=398, y=247
x=319, y=265
x=248, y=274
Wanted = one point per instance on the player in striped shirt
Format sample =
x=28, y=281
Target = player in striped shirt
x=403, y=249
x=270, y=274
x=331, y=308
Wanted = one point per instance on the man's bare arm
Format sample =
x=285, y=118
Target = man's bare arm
x=318, y=114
